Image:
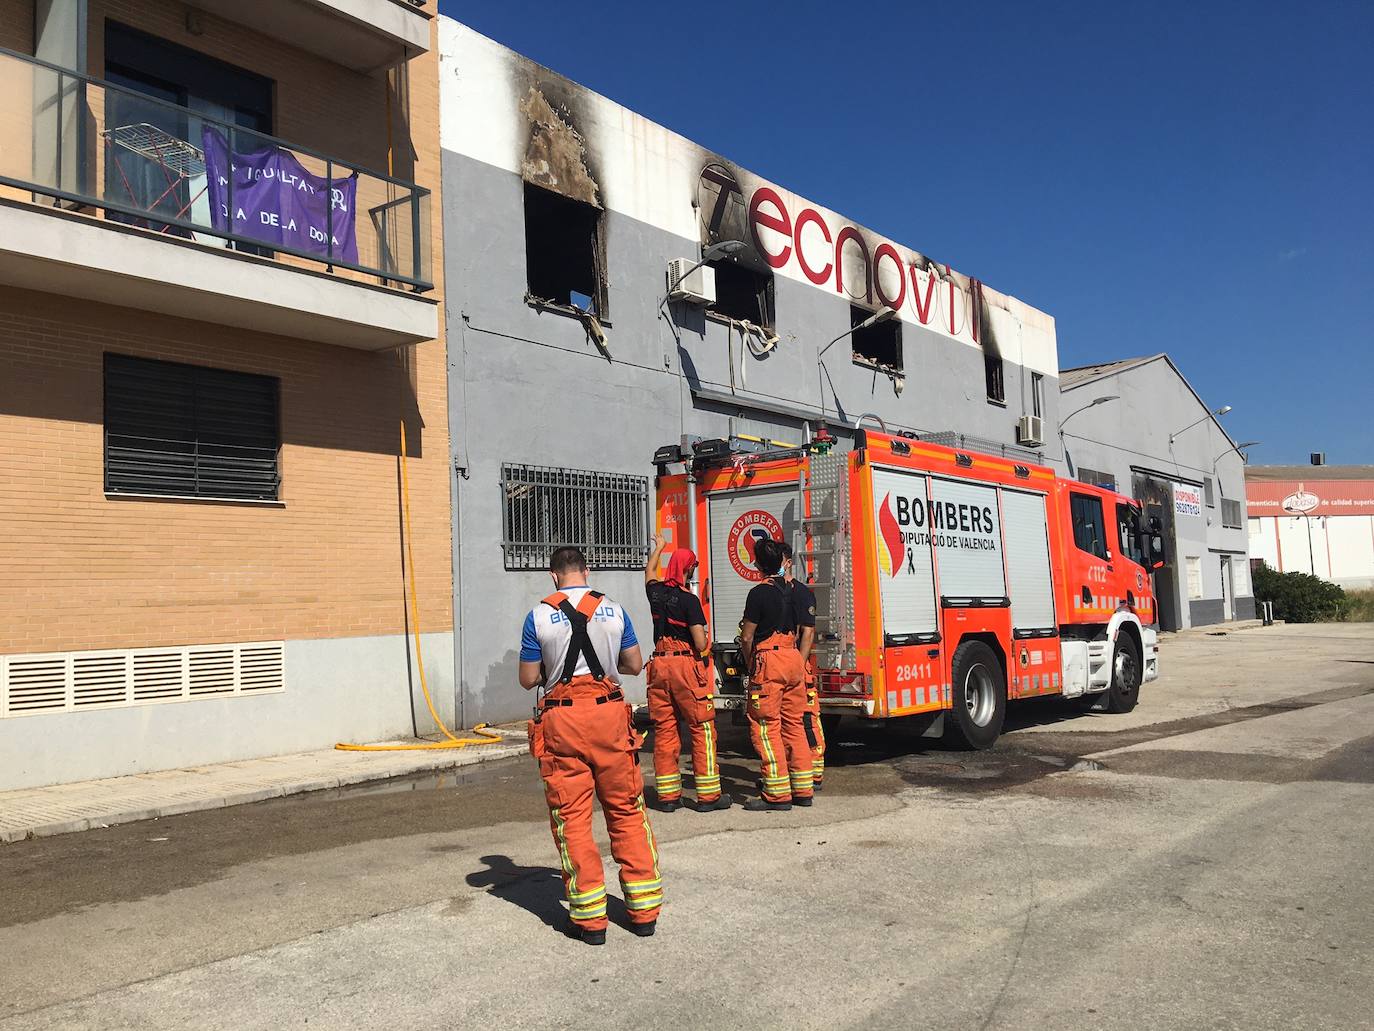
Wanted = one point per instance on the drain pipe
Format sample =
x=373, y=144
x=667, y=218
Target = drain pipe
x=694, y=586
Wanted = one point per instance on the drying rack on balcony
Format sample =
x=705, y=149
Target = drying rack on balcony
x=179, y=161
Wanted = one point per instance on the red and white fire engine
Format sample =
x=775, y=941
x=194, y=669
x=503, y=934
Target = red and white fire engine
x=948, y=579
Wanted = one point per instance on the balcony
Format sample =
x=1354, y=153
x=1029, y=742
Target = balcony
x=365, y=35
x=112, y=195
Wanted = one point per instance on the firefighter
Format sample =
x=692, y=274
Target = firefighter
x=575, y=643
x=777, y=687
x=681, y=684
x=804, y=607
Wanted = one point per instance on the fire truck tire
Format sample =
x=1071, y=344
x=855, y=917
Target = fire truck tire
x=1125, y=689
x=979, y=695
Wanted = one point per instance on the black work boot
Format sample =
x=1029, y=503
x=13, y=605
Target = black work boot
x=644, y=930
x=670, y=806
x=589, y=937
x=762, y=805
x=715, y=805
x=802, y=800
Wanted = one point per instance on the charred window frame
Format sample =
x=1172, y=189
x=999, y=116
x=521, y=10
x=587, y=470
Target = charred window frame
x=878, y=346
x=565, y=252
x=993, y=373
x=743, y=294
x=1038, y=395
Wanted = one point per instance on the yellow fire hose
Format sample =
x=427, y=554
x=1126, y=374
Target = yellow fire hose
x=452, y=740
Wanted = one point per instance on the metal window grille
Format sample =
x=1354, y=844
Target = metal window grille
x=1207, y=492
x=190, y=431
x=604, y=514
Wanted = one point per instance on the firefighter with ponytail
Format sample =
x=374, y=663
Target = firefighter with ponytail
x=575, y=644
x=681, y=685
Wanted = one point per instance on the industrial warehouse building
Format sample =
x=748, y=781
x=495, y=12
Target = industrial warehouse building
x=199, y=415
x=1315, y=519
x=562, y=213
x=1139, y=427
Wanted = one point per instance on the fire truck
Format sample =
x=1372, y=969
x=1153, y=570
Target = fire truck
x=951, y=577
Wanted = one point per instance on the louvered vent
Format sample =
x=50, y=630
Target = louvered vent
x=71, y=681
x=35, y=683
x=100, y=679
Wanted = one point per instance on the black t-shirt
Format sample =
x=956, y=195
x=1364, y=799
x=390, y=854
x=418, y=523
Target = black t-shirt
x=803, y=604
x=769, y=607
x=674, y=611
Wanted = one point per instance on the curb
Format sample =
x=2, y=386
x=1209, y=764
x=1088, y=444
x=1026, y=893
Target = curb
x=428, y=764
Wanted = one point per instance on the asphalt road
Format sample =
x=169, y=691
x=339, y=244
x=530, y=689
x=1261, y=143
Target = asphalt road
x=1200, y=863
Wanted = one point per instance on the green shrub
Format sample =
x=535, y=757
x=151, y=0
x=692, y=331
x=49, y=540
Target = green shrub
x=1301, y=597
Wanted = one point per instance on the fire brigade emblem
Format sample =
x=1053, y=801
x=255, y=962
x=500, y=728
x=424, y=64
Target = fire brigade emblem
x=892, y=550
x=1025, y=656
x=750, y=528
x=1139, y=580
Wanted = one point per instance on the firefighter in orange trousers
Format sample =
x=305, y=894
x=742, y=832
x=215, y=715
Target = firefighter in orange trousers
x=777, y=688
x=575, y=643
x=804, y=607
x=681, y=684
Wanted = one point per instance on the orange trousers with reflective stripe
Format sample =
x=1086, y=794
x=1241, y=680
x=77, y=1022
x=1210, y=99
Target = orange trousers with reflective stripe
x=680, y=689
x=777, y=704
x=587, y=749
x=811, y=724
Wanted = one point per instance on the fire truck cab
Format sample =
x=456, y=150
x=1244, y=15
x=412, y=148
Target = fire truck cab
x=949, y=580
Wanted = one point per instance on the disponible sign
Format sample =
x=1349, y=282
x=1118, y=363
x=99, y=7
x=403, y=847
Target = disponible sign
x=275, y=200
x=1187, y=501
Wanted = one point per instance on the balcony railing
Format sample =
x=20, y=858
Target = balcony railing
x=88, y=144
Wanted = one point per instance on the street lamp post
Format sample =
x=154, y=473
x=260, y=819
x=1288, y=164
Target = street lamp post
x=1210, y=415
x=1091, y=404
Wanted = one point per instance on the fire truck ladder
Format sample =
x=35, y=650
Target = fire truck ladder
x=821, y=544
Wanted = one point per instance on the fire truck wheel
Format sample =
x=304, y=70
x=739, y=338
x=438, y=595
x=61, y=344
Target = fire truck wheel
x=1125, y=689
x=979, y=694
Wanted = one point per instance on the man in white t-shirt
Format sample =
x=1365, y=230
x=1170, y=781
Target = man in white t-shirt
x=575, y=644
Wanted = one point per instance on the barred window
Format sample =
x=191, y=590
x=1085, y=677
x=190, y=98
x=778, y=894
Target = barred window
x=604, y=514
x=1230, y=514
x=190, y=431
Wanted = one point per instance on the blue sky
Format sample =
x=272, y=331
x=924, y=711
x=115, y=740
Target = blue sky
x=1192, y=178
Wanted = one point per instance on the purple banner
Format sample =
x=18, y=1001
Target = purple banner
x=278, y=202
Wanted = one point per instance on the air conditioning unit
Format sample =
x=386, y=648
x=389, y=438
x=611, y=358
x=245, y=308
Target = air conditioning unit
x=699, y=287
x=1030, y=429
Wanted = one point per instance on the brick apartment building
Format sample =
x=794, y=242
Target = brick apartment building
x=220, y=297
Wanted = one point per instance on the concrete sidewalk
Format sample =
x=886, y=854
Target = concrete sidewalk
x=64, y=808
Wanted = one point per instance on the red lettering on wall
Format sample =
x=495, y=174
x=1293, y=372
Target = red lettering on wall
x=806, y=216
x=953, y=330
x=779, y=223
x=887, y=250
x=976, y=305
x=924, y=309
x=850, y=233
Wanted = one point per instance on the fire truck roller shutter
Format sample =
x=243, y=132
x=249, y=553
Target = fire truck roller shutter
x=1025, y=531
x=968, y=540
x=905, y=574
x=739, y=520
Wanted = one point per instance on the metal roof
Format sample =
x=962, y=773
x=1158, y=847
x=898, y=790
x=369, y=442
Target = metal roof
x=1087, y=373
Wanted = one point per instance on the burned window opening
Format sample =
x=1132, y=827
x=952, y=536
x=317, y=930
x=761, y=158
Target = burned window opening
x=743, y=294
x=993, y=373
x=564, y=251
x=878, y=346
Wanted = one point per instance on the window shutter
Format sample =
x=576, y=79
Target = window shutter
x=189, y=431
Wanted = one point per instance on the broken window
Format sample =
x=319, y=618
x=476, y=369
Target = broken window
x=880, y=345
x=564, y=251
x=992, y=370
x=742, y=293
